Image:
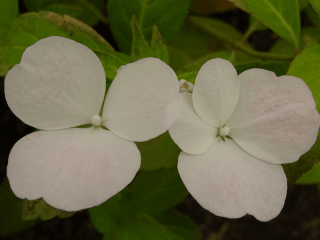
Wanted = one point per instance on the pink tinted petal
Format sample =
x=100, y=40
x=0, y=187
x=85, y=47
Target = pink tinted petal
x=229, y=182
x=143, y=100
x=216, y=92
x=58, y=84
x=275, y=119
x=72, y=169
x=189, y=132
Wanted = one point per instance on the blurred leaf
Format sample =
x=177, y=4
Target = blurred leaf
x=159, y=226
x=159, y=48
x=40, y=209
x=136, y=212
x=72, y=11
x=167, y=15
x=188, y=76
x=282, y=17
x=197, y=64
x=278, y=67
x=210, y=6
x=11, y=211
x=259, y=26
x=316, y=5
x=306, y=67
x=218, y=28
x=8, y=11
x=160, y=152
x=314, y=17
x=303, y=4
x=310, y=177
x=21, y=33
x=199, y=44
x=90, y=10
x=155, y=191
x=140, y=48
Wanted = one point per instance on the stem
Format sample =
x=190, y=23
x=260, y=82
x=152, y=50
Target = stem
x=250, y=30
x=240, y=45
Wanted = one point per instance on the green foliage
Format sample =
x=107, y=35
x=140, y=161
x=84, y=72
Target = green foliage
x=88, y=11
x=140, y=48
x=137, y=211
x=159, y=152
x=316, y=5
x=314, y=17
x=11, y=221
x=21, y=33
x=281, y=16
x=8, y=11
x=40, y=209
x=310, y=177
x=167, y=15
x=159, y=48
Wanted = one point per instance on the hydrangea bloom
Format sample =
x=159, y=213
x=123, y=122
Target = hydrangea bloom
x=235, y=131
x=60, y=84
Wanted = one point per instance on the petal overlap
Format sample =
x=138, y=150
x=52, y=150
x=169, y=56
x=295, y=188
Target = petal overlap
x=72, y=169
x=229, y=182
x=216, y=92
x=189, y=132
x=58, y=84
x=275, y=119
x=143, y=100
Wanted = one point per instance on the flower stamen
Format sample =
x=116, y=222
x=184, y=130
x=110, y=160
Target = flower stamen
x=96, y=120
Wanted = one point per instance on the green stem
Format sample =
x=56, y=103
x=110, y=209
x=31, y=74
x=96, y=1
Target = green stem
x=240, y=45
x=250, y=30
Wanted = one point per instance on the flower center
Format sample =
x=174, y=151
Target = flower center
x=96, y=120
x=224, y=131
x=185, y=86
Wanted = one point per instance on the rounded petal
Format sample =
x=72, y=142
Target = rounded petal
x=58, y=84
x=72, y=169
x=275, y=119
x=143, y=100
x=189, y=132
x=229, y=182
x=216, y=92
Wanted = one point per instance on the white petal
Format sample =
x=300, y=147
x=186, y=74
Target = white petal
x=216, y=92
x=72, y=169
x=275, y=119
x=58, y=84
x=189, y=132
x=143, y=100
x=229, y=182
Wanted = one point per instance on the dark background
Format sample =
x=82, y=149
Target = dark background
x=299, y=219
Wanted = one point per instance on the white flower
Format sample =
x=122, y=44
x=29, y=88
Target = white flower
x=60, y=84
x=235, y=131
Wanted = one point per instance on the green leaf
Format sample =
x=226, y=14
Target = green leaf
x=168, y=225
x=72, y=11
x=8, y=11
x=314, y=17
x=160, y=152
x=155, y=191
x=159, y=48
x=90, y=10
x=140, y=47
x=167, y=15
x=316, y=5
x=306, y=67
x=303, y=4
x=136, y=212
x=283, y=17
x=188, y=76
x=21, y=33
x=310, y=177
x=40, y=209
x=11, y=221
x=197, y=64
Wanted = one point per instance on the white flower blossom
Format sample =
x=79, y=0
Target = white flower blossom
x=235, y=131
x=60, y=84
